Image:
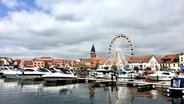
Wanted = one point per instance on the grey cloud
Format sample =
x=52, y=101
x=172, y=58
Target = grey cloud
x=69, y=28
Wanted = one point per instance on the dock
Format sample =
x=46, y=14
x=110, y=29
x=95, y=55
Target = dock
x=140, y=85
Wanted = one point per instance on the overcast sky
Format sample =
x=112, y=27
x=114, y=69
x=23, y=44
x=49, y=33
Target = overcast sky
x=68, y=28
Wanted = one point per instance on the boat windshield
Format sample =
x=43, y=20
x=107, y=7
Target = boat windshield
x=64, y=71
x=166, y=73
x=43, y=70
x=29, y=70
x=4, y=68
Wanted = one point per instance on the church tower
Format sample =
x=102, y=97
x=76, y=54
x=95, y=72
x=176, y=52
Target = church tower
x=93, y=56
x=92, y=53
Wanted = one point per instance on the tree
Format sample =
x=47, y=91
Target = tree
x=106, y=67
x=96, y=66
x=1, y=63
x=148, y=68
x=163, y=67
x=47, y=65
x=114, y=67
x=136, y=68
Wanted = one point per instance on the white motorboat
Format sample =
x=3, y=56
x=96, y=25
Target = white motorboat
x=27, y=73
x=180, y=75
x=127, y=74
x=63, y=76
x=12, y=73
x=176, y=90
x=32, y=73
x=162, y=76
x=102, y=74
x=4, y=69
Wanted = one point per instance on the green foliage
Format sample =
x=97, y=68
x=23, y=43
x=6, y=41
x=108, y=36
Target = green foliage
x=96, y=66
x=47, y=65
x=148, y=68
x=163, y=67
x=114, y=67
x=136, y=68
x=106, y=67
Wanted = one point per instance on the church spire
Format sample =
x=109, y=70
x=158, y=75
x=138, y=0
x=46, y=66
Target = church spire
x=93, y=48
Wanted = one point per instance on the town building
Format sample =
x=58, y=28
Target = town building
x=143, y=62
x=25, y=63
x=181, y=58
x=173, y=61
x=5, y=61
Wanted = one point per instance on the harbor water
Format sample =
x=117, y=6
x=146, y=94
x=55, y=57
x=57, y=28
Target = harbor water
x=39, y=92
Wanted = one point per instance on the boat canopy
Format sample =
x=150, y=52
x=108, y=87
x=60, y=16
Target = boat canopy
x=177, y=82
x=182, y=67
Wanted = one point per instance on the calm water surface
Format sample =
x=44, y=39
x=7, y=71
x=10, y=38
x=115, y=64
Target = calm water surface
x=31, y=92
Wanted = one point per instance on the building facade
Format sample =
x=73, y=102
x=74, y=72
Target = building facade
x=142, y=62
x=173, y=61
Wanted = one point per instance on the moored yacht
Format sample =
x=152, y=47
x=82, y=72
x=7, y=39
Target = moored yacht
x=33, y=73
x=176, y=90
x=4, y=69
x=162, y=75
x=61, y=75
x=127, y=74
x=27, y=73
x=102, y=74
x=12, y=74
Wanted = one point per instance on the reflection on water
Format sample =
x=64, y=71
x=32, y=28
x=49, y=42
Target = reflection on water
x=51, y=93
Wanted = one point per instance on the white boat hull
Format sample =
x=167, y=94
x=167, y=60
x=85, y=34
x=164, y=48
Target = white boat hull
x=59, y=77
x=161, y=78
x=127, y=76
x=20, y=75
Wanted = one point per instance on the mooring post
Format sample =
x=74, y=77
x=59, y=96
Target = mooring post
x=111, y=77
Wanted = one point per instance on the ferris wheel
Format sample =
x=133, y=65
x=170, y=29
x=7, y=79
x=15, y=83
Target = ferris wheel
x=121, y=48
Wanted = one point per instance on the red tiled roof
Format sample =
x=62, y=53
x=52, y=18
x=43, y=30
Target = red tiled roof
x=158, y=59
x=6, y=58
x=45, y=57
x=170, y=57
x=139, y=59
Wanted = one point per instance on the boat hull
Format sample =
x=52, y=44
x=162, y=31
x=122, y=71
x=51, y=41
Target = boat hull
x=62, y=78
x=160, y=78
x=127, y=76
x=20, y=75
x=176, y=92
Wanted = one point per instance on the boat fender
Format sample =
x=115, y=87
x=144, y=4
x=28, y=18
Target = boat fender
x=146, y=78
x=150, y=78
x=153, y=86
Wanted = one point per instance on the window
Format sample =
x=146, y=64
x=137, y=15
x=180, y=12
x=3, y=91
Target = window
x=176, y=83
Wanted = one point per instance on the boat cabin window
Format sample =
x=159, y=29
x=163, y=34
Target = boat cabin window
x=30, y=70
x=42, y=70
x=130, y=72
x=66, y=72
x=123, y=72
x=103, y=72
x=166, y=73
x=3, y=68
x=177, y=83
